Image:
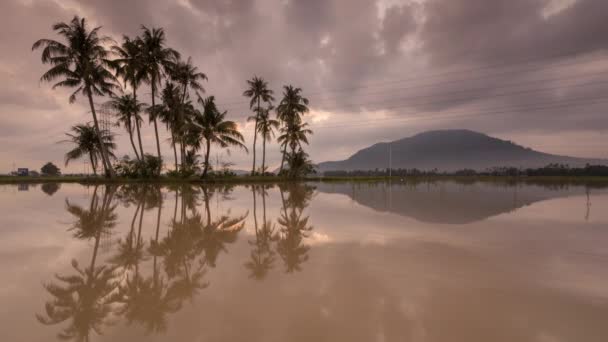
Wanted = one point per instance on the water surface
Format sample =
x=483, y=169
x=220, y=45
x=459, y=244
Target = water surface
x=441, y=261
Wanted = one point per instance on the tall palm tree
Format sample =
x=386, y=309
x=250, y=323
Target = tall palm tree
x=168, y=112
x=157, y=59
x=266, y=129
x=188, y=77
x=214, y=128
x=258, y=91
x=82, y=63
x=290, y=109
x=85, y=139
x=129, y=66
x=126, y=109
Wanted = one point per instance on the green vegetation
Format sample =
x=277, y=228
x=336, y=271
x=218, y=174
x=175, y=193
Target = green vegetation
x=96, y=66
x=50, y=169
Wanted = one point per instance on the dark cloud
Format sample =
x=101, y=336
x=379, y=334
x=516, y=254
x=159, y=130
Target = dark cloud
x=413, y=65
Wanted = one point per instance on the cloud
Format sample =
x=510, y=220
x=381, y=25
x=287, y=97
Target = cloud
x=425, y=64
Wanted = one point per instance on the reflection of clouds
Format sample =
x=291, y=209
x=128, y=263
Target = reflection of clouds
x=318, y=238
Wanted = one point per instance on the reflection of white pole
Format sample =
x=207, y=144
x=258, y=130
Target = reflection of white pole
x=390, y=160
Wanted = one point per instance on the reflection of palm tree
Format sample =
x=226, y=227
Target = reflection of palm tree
x=86, y=297
x=218, y=233
x=262, y=256
x=294, y=227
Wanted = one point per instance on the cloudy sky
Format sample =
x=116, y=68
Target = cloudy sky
x=531, y=71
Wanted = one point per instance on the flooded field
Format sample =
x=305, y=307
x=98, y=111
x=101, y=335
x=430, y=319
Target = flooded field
x=440, y=261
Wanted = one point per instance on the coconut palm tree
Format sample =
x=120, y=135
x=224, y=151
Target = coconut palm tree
x=157, y=59
x=86, y=142
x=289, y=111
x=266, y=129
x=168, y=112
x=82, y=63
x=129, y=66
x=215, y=129
x=258, y=91
x=293, y=134
x=188, y=77
x=126, y=109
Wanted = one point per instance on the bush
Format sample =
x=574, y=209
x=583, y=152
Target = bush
x=50, y=169
x=147, y=168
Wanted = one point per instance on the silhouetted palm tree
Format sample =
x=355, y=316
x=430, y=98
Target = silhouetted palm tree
x=81, y=63
x=126, y=110
x=258, y=91
x=293, y=134
x=289, y=111
x=188, y=77
x=157, y=60
x=86, y=142
x=215, y=129
x=266, y=128
x=129, y=66
x=168, y=112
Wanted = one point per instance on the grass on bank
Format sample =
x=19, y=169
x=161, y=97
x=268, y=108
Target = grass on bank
x=275, y=179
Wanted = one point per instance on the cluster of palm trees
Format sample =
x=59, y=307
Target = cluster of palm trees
x=95, y=66
x=144, y=280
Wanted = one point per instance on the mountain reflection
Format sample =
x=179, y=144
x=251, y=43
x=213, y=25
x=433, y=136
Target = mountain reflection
x=153, y=270
x=451, y=202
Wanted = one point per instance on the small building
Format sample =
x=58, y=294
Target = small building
x=23, y=171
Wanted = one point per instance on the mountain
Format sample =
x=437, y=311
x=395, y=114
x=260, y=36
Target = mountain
x=450, y=150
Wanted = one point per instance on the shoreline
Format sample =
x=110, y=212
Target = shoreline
x=273, y=179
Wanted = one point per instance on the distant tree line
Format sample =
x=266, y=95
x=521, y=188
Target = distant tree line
x=562, y=170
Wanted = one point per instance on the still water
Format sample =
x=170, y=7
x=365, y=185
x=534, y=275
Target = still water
x=440, y=261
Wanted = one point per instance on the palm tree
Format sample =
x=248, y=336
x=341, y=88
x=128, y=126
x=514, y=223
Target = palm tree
x=293, y=134
x=156, y=60
x=81, y=63
x=266, y=128
x=86, y=141
x=188, y=77
x=215, y=129
x=258, y=91
x=128, y=65
x=126, y=109
x=289, y=111
x=168, y=112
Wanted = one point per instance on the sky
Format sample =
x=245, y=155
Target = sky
x=531, y=71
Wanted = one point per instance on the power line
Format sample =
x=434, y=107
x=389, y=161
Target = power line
x=448, y=73
x=497, y=111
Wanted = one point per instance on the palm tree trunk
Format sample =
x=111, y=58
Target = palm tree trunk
x=182, y=150
x=263, y=155
x=255, y=135
x=132, y=142
x=156, y=127
x=207, y=158
x=174, y=150
x=93, y=166
x=104, y=153
x=283, y=158
x=255, y=211
x=141, y=149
